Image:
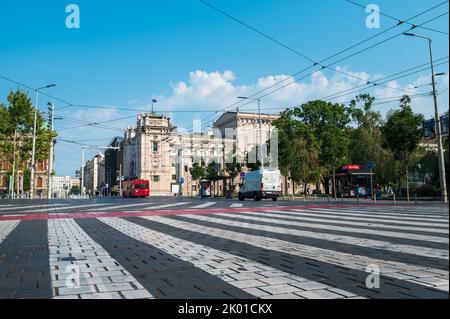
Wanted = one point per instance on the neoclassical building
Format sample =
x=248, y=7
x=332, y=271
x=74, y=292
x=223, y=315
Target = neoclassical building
x=154, y=150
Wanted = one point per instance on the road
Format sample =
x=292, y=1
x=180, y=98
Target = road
x=117, y=248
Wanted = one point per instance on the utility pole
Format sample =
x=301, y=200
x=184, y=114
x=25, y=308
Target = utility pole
x=51, y=118
x=437, y=120
x=14, y=166
x=33, y=154
x=120, y=182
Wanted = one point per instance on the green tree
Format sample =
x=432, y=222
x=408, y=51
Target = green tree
x=253, y=153
x=234, y=168
x=17, y=119
x=211, y=170
x=329, y=123
x=198, y=172
x=298, y=150
x=366, y=139
x=75, y=190
x=402, y=134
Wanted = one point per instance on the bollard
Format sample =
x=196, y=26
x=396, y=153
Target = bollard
x=415, y=198
x=357, y=198
x=394, y=199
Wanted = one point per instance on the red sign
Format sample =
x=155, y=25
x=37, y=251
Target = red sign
x=352, y=167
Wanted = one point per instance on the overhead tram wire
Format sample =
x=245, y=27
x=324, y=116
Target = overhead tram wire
x=287, y=78
x=345, y=73
x=399, y=20
x=301, y=54
x=69, y=104
x=373, y=84
x=295, y=51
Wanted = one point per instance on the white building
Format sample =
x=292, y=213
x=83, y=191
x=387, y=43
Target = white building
x=61, y=186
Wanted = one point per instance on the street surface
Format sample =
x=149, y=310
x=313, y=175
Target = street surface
x=215, y=248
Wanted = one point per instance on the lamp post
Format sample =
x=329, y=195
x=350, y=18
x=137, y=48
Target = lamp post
x=437, y=120
x=33, y=154
x=260, y=127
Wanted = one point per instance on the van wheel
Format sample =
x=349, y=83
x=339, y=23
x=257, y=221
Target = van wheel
x=241, y=198
x=275, y=199
x=257, y=198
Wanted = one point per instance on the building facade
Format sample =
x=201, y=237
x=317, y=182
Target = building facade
x=20, y=190
x=61, y=186
x=94, y=175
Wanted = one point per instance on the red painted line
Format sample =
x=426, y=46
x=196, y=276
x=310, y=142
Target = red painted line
x=88, y=215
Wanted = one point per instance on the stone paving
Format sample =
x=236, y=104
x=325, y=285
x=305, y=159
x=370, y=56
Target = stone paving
x=276, y=252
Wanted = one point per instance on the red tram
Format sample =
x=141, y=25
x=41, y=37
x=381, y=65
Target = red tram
x=136, y=188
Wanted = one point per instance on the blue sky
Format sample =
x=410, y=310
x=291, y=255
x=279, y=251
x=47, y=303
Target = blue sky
x=190, y=57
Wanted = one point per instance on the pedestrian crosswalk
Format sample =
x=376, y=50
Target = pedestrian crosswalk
x=276, y=252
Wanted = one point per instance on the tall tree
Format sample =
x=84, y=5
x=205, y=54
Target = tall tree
x=234, y=168
x=402, y=134
x=18, y=117
x=328, y=122
x=298, y=150
x=198, y=172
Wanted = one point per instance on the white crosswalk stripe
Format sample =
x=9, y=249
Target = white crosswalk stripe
x=353, y=261
x=343, y=216
x=389, y=246
x=205, y=205
x=237, y=271
x=52, y=209
x=80, y=268
x=26, y=207
x=388, y=216
x=314, y=217
x=396, y=234
x=144, y=206
x=247, y=250
x=6, y=227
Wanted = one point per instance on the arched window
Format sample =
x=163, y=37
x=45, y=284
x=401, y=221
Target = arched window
x=40, y=166
x=39, y=182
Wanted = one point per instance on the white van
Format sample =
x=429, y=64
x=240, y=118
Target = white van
x=260, y=184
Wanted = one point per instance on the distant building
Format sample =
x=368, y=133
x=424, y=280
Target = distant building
x=40, y=178
x=94, y=174
x=113, y=165
x=61, y=186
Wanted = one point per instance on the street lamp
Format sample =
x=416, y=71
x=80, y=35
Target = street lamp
x=33, y=154
x=437, y=119
x=260, y=126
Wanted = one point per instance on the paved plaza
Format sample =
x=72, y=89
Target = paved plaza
x=186, y=248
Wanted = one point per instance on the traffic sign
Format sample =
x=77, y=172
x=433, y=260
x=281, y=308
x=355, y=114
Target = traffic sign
x=181, y=180
x=242, y=174
x=371, y=166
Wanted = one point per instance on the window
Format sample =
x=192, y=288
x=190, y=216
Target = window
x=174, y=177
x=40, y=166
x=39, y=182
x=155, y=147
x=156, y=178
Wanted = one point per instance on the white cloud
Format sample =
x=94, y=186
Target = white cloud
x=216, y=90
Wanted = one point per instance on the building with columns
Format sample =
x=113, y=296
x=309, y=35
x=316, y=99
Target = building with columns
x=155, y=150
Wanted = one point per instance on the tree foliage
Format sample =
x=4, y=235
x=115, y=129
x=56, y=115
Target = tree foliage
x=402, y=134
